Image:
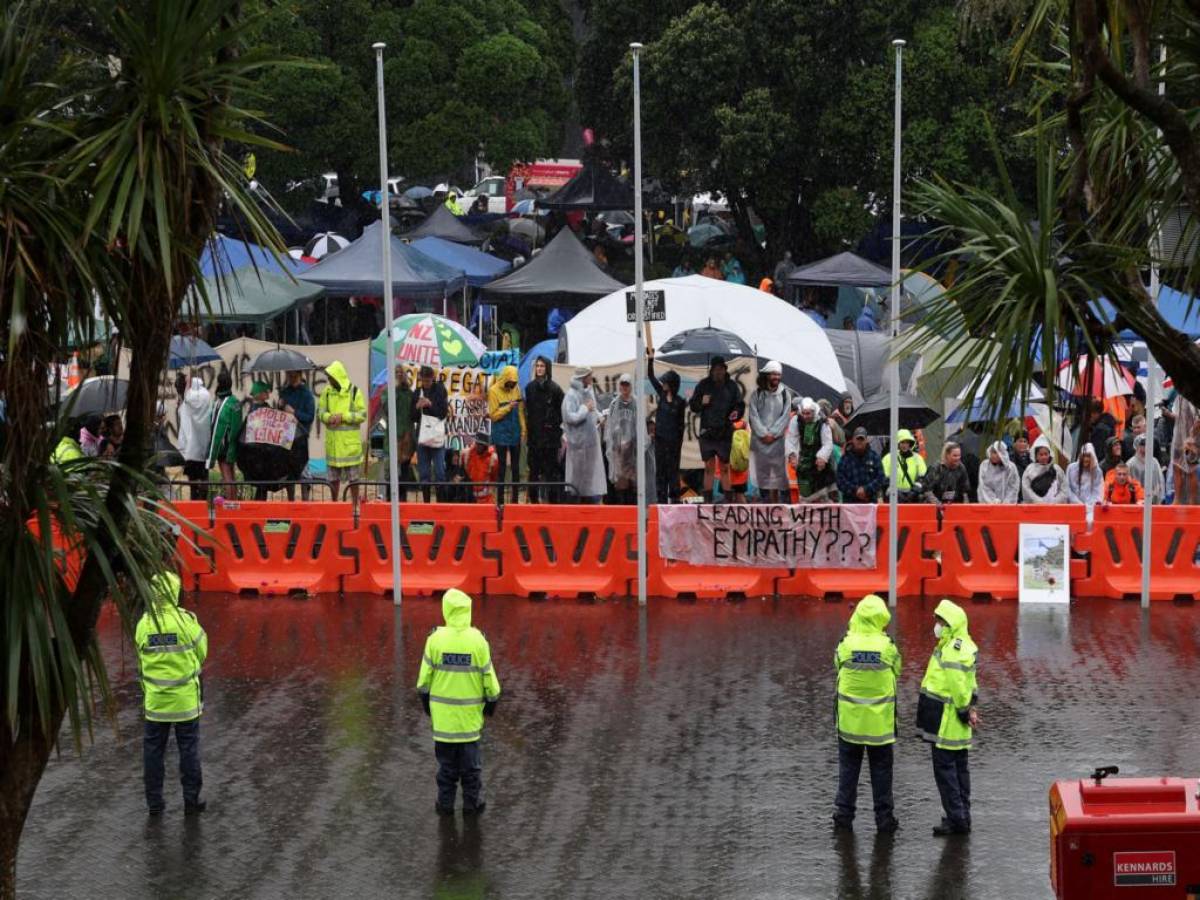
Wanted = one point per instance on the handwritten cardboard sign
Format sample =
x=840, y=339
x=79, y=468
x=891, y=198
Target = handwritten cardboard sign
x=816, y=536
x=273, y=427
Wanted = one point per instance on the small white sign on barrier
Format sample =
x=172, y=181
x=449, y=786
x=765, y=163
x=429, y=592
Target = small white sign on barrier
x=1045, y=563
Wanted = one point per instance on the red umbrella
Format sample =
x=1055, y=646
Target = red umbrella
x=1098, y=378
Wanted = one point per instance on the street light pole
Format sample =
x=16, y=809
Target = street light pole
x=639, y=381
x=894, y=362
x=385, y=234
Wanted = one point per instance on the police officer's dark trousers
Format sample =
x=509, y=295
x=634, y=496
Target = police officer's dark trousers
x=953, y=777
x=879, y=759
x=154, y=751
x=459, y=763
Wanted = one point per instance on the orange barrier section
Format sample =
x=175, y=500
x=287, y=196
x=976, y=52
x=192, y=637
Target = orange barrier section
x=1114, y=547
x=912, y=566
x=268, y=547
x=443, y=546
x=564, y=551
x=672, y=578
x=978, y=548
x=195, y=546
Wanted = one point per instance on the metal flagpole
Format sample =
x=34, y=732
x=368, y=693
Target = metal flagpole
x=639, y=381
x=389, y=313
x=1152, y=383
x=894, y=363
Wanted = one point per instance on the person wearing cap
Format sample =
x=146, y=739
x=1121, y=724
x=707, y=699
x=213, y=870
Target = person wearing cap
x=860, y=477
x=482, y=466
x=620, y=439
x=343, y=409
x=770, y=411
x=867, y=665
x=947, y=717
x=256, y=461
x=581, y=437
x=297, y=398
x=1148, y=473
x=809, y=449
x=713, y=400
x=910, y=474
x=458, y=686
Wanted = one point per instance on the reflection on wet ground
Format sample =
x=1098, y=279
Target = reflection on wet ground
x=686, y=751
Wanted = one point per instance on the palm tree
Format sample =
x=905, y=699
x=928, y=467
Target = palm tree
x=1114, y=163
x=111, y=174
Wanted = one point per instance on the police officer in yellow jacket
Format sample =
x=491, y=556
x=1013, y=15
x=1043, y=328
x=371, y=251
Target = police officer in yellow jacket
x=946, y=714
x=171, y=647
x=458, y=687
x=868, y=666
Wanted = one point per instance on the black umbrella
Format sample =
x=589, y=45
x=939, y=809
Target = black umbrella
x=707, y=342
x=281, y=360
x=99, y=395
x=874, y=414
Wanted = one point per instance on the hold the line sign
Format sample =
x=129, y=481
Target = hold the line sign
x=801, y=536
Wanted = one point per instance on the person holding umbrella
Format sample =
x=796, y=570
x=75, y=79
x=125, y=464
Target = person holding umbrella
x=296, y=398
x=342, y=411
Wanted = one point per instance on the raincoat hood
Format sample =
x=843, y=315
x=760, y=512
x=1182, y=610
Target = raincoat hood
x=507, y=374
x=1041, y=441
x=338, y=372
x=1089, y=450
x=954, y=617
x=456, y=609
x=905, y=435
x=1001, y=450
x=870, y=616
x=166, y=587
x=549, y=367
x=671, y=380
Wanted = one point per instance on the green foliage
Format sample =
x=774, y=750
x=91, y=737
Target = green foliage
x=462, y=77
x=787, y=107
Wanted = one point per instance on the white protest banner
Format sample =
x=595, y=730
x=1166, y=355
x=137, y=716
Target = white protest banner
x=270, y=426
x=742, y=370
x=800, y=536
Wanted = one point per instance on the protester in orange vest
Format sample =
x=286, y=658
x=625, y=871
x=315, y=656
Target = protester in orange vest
x=733, y=482
x=482, y=467
x=1121, y=487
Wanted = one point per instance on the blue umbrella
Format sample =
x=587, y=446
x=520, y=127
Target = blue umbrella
x=980, y=411
x=547, y=349
x=527, y=208
x=190, y=351
x=418, y=192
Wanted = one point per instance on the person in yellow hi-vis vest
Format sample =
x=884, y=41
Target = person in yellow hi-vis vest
x=946, y=714
x=458, y=686
x=342, y=411
x=171, y=648
x=868, y=666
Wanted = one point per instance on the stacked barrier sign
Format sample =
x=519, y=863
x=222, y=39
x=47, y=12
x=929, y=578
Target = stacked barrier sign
x=709, y=551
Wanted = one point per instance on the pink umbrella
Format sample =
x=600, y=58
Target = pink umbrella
x=1098, y=378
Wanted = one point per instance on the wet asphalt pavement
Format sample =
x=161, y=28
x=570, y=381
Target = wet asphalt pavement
x=683, y=752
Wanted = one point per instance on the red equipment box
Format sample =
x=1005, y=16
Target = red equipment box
x=1125, y=838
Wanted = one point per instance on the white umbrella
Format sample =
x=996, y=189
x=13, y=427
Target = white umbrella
x=321, y=245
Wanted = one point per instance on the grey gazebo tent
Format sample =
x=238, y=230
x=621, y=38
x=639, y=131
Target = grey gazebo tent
x=842, y=270
x=564, y=267
x=358, y=270
x=246, y=295
x=445, y=225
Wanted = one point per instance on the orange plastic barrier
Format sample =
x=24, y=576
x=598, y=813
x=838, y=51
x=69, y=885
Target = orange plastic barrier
x=564, y=551
x=443, y=546
x=195, y=546
x=912, y=565
x=672, y=578
x=267, y=547
x=1114, y=547
x=978, y=547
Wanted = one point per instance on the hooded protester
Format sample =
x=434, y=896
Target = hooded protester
x=68, y=448
x=507, y=412
x=342, y=410
x=910, y=476
x=226, y=424
x=713, y=400
x=1085, y=481
x=481, y=468
x=1043, y=481
x=620, y=438
x=844, y=410
x=1114, y=455
x=999, y=480
x=840, y=436
x=1148, y=474
x=581, y=424
x=770, y=414
x=543, y=427
x=866, y=320
x=948, y=481
x=195, y=434
x=809, y=450
x=670, y=422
